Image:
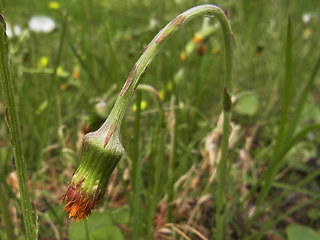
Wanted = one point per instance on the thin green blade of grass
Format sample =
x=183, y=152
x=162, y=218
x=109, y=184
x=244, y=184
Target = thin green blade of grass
x=302, y=100
x=298, y=137
x=275, y=203
x=291, y=189
x=284, y=140
x=272, y=222
x=53, y=100
x=5, y=213
x=276, y=164
x=172, y=159
x=158, y=147
x=136, y=172
x=29, y=216
x=287, y=96
x=117, y=64
x=82, y=63
x=268, y=176
x=290, y=143
x=273, y=168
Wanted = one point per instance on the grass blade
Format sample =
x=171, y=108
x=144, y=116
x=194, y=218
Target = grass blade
x=136, y=170
x=5, y=213
x=302, y=100
x=287, y=96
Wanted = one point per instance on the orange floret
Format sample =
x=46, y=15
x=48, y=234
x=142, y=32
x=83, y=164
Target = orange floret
x=78, y=205
x=197, y=38
x=182, y=56
x=76, y=74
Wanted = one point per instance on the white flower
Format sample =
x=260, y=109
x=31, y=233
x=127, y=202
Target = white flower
x=41, y=24
x=15, y=31
x=153, y=23
x=307, y=17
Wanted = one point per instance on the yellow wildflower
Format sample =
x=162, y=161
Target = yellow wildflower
x=161, y=94
x=43, y=62
x=143, y=105
x=183, y=56
x=63, y=87
x=54, y=5
x=197, y=38
x=76, y=73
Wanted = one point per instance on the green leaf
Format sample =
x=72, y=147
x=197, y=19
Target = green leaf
x=107, y=233
x=42, y=107
x=3, y=234
x=298, y=232
x=313, y=214
x=97, y=226
x=246, y=104
x=121, y=215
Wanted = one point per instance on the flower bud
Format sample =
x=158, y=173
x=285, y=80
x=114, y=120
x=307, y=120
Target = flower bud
x=101, y=152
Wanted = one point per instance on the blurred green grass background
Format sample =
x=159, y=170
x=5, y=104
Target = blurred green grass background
x=63, y=77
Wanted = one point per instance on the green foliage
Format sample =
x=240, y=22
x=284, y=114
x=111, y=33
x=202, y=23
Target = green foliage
x=246, y=104
x=297, y=232
x=98, y=226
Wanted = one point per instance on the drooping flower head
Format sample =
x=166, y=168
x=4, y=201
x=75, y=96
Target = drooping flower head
x=100, y=154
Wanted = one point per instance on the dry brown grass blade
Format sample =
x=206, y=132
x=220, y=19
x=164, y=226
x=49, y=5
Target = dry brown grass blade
x=175, y=228
x=195, y=231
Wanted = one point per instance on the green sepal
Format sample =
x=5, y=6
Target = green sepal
x=97, y=163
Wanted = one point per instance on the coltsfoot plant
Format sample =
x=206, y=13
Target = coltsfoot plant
x=102, y=149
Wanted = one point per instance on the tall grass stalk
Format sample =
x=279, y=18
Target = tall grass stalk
x=272, y=222
x=136, y=169
x=172, y=157
x=286, y=103
x=29, y=216
x=287, y=137
x=5, y=213
x=156, y=156
x=287, y=92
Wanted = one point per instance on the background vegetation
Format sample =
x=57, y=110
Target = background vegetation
x=66, y=82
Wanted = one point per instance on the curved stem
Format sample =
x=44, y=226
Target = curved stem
x=144, y=61
x=152, y=49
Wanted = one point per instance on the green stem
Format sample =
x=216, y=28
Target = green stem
x=15, y=132
x=152, y=49
x=222, y=172
x=146, y=58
